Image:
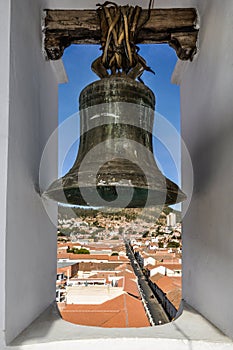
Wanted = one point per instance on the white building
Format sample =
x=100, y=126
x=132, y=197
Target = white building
x=171, y=219
x=149, y=261
x=170, y=271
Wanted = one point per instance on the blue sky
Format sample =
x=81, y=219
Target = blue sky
x=77, y=60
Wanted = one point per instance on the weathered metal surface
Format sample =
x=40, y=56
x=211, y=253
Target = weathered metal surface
x=115, y=165
x=177, y=27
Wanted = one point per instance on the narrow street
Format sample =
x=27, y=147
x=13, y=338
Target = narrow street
x=156, y=311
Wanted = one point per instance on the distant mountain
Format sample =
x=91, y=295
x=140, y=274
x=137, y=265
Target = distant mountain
x=129, y=214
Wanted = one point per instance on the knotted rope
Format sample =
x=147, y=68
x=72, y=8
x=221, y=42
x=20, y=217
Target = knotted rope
x=119, y=29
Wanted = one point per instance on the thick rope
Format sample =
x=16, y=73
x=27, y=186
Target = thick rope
x=119, y=27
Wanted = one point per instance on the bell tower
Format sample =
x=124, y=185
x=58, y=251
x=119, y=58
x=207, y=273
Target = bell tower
x=28, y=99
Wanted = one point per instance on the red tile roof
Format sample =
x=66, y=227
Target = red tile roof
x=61, y=255
x=150, y=267
x=118, y=258
x=167, y=284
x=124, y=266
x=106, y=257
x=171, y=286
x=175, y=297
x=63, y=269
x=120, y=312
x=156, y=277
x=130, y=287
x=170, y=266
x=127, y=274
x=97, y=266
x=89, y=257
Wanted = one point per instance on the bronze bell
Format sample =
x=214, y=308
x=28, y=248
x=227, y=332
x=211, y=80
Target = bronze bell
x=115, y=166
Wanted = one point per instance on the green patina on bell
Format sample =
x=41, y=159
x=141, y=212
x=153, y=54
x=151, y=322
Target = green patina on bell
x=115, y=165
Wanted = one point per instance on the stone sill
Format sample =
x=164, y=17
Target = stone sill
x=189, y=331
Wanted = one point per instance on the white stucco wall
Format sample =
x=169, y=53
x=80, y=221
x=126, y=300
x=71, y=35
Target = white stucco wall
x=29, y=260
x=4, y=108
x=30, y=264
x=207, y=129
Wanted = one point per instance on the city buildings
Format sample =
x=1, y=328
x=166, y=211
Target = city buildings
x=100, y=288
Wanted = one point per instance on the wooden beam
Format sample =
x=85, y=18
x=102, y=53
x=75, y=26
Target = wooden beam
x=177, y=27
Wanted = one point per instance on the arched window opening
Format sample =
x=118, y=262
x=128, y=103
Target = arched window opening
x=121, y=268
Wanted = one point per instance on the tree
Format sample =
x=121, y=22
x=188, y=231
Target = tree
x=160, y=244
x=60, y=239
x=173, y=244
x=77, y=250
x=82, y=251
x=60, y=234
x=145, y=234
x=69, y=250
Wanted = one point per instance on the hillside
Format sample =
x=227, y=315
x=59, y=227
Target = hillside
x=150, y=215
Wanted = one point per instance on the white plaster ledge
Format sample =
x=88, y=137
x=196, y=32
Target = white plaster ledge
x=190, y=331
x=59, y=71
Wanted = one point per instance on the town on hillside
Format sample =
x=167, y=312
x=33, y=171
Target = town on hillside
x=118, y=270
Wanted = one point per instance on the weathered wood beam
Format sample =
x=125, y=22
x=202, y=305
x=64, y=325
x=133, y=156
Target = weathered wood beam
x=177, y=27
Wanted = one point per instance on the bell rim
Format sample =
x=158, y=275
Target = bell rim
x=171, y=196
